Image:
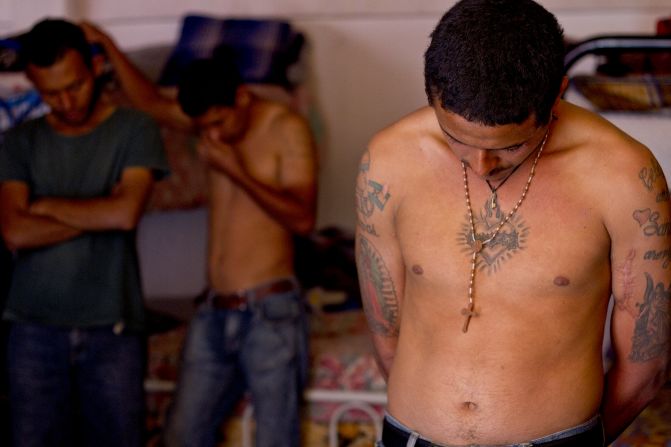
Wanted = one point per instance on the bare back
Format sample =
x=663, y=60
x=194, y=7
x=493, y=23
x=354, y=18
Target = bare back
x=530, y=363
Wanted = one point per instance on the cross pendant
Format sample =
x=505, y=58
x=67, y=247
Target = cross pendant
x=468, y=312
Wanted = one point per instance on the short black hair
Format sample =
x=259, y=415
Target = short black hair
x=496, y=62
x=48, y=41
x=208, y=82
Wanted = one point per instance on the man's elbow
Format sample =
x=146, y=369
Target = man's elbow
x=12, y=242
x=12, y=236
x=304, y=226
x=653, y=381
x=304, y=221
x=660, y=378
x=384, y=362
x=129, y=222
x=129, y=218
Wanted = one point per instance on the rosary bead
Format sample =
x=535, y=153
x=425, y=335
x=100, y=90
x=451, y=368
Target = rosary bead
x=479, y=245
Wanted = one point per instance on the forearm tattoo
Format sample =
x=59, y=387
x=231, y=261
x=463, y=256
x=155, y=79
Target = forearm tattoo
x=377, y=289
x=652, y=330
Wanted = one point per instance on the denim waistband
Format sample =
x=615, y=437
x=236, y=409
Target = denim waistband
x=243, y=299
x=562, y=437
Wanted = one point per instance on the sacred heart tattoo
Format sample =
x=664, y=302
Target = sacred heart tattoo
x=510, y=239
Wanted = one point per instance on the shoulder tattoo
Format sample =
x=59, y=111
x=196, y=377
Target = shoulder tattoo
x=371, y=196
x=650, y=174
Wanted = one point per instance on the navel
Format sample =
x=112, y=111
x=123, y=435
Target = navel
x=561, y=281
x=470, y=406
x=417, y=269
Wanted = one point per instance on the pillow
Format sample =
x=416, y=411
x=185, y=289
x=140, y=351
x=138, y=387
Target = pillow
x=9, y=54
x=19, y=101
x=264, y=50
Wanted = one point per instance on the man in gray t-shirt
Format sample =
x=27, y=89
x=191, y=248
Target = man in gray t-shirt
x=73, y=185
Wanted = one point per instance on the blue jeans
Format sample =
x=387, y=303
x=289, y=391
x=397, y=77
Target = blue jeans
x=263, y=349
x=75, y=386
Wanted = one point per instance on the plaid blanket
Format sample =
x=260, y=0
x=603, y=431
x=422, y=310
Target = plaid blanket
x=264, y=50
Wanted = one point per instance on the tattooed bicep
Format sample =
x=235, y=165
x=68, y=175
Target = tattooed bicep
x=652, y=330
x=372, y=196
x=652, y=177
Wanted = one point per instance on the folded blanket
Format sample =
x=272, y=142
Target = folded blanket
x=263, y=49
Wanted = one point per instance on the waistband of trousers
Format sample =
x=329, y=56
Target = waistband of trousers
x=242, y=299
x=590, y=433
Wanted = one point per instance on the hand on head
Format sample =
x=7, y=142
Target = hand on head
x=93, y=33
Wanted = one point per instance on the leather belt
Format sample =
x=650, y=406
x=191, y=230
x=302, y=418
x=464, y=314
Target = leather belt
x=241, y=299
x=393, y=436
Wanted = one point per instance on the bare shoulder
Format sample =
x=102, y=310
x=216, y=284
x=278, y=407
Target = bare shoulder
x=280, y=118
x=600, y=141
x=393, y=163
x=404, y=131
x=399, y=144
x=620, y=171
x=282, y=123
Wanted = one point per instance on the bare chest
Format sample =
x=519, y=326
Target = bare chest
x=552, y=245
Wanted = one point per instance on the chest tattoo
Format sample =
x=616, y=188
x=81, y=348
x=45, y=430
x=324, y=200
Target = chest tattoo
x=511, y=239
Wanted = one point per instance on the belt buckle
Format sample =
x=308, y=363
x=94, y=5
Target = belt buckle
x=239, y=300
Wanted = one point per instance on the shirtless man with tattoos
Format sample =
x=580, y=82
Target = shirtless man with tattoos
x=493, y=226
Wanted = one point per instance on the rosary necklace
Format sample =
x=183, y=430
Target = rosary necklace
x=469, y=312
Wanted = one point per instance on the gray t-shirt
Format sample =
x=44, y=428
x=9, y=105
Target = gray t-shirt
x=93, y=279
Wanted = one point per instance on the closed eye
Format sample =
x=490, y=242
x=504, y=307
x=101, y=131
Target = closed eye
x=514, y=148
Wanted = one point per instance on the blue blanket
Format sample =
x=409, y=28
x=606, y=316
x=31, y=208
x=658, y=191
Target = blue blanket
x=264, y=50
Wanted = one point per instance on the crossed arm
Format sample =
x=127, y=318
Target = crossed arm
x=51, y=220
x=641, y=284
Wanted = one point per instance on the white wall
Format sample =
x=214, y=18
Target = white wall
x=366, y=56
